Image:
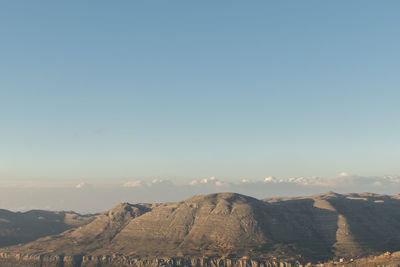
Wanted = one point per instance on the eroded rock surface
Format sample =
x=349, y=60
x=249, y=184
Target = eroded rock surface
x=23, y=227
x=228, y=227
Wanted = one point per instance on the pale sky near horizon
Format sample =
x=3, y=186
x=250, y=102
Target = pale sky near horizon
x=184, y=90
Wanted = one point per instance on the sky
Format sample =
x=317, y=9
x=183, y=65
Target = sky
x=112, y=92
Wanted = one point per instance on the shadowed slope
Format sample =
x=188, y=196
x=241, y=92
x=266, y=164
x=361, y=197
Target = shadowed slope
x=22, y=227
x=372, y=221
x=97, y=234
x=233, y=225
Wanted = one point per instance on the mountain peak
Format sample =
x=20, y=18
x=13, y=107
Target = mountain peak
x=230, y=224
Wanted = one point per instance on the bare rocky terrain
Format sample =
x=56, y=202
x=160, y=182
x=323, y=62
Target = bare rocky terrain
x=224, y=229
x=23, y=227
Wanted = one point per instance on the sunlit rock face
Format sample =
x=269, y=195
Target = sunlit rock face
x=224, y=229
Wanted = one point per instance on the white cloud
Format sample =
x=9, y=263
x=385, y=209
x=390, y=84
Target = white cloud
x=204, y=181
x=136, y=183
x=140, y=183
x=82, y=185
x=159, y=182
x=102, y=196
x=194, y=182
x=344, y=180
x=211, y=181
x=269, y=179
x=208, y=180
x=218, y=183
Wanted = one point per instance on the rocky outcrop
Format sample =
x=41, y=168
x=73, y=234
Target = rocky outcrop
x=21, y=260
x=226, y=226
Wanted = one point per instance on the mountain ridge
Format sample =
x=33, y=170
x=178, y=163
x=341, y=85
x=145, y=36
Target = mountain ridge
x=22, y=227
x=229, y=225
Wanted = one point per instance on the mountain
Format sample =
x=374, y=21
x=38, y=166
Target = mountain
x=228, y=226
x=23, y=227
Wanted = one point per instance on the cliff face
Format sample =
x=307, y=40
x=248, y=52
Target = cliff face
x=22, y=260
x=223, y=226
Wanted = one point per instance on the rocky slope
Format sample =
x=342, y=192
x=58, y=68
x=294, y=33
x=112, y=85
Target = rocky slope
x=224, y=227
x=23, y=227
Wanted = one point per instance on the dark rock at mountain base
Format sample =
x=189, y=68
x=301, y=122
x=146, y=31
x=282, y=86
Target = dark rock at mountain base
x=21, y=260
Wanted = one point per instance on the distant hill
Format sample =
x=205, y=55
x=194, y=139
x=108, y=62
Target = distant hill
x=23, y=227
x=232, y=226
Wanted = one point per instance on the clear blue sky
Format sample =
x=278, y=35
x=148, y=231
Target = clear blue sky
x=187, y=89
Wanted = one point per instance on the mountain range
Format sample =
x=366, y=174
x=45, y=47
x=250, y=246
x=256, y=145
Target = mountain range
x=230, y=227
